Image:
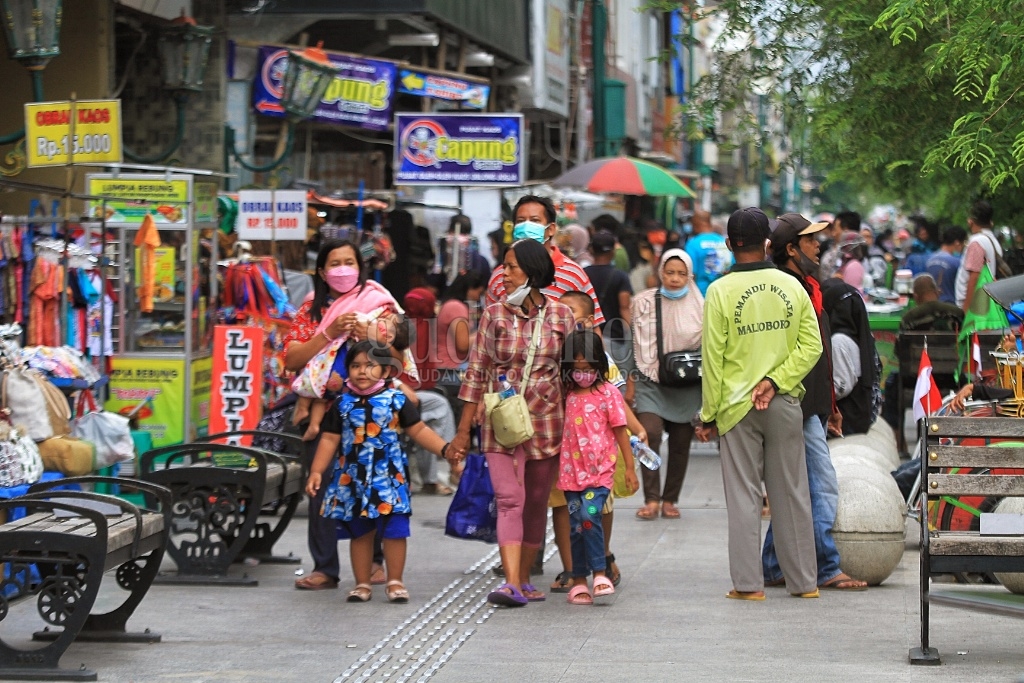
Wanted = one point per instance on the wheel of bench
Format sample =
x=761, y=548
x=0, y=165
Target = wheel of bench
x=260, y=545
x=213, y=514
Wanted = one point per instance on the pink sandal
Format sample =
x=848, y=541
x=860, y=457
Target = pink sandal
x=603, y=587
x=580, y=595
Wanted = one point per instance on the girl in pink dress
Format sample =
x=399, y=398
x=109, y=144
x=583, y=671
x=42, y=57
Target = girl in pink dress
x=595, y=432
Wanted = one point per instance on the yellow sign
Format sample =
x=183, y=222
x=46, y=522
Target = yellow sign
x=50, y=136
x=163, y=274
x=202, y=373
x=156, y=388
x=206, y=202
x=131, y=199
x=413, y=81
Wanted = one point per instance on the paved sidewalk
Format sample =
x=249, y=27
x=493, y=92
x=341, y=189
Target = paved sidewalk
x=669, y=620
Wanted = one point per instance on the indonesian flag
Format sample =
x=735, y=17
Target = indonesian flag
x=975, y=357
x=927, y=398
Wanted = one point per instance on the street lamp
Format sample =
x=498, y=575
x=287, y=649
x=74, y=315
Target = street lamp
x=32, y=28
x=184, y=49
x=307, y=75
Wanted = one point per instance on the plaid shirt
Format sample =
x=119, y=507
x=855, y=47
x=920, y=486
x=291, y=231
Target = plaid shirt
x=500, y=348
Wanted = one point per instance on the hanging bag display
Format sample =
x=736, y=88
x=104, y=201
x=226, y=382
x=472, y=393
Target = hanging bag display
x=35, y=404
x=473, y=514
x=20, y=463
x=675, y=368
x=108, y=432
x=510, y=417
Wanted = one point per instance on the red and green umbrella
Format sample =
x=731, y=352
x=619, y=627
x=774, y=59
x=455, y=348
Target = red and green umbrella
x=624, y=175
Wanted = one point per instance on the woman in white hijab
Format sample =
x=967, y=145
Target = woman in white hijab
x=662, y=409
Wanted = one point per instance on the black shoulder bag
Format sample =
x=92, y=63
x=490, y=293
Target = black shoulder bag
x=675, y=368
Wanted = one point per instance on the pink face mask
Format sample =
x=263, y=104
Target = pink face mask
x=584, y=378
x=342, y=278
x=369, y=391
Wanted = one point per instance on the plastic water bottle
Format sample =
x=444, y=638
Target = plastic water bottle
x=507, y=390
x=642, y=452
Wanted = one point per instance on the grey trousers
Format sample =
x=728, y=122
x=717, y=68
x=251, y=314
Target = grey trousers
x=768, y=445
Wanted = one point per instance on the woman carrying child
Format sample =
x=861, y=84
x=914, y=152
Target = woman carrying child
x=367, y=491
x=595, y=423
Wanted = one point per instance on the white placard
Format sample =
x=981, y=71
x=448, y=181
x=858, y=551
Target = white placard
x=271, y=215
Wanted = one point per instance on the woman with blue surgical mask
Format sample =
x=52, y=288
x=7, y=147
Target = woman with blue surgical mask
x=662, y=409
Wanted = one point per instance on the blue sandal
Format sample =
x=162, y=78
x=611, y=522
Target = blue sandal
x=513, y=598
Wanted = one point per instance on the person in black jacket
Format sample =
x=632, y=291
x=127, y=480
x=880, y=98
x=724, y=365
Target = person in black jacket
x=856, y=368
x=794, y=249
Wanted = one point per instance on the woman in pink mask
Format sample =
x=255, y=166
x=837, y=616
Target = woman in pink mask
x=341, y=304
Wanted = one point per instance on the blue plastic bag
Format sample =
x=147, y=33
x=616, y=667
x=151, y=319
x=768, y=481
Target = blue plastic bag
x=473, y=514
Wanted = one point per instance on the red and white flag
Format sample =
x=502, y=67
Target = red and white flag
x=927, y=398
x=975, y=358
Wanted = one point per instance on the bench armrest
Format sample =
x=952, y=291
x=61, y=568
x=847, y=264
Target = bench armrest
x=190, y=450
x=294, y=441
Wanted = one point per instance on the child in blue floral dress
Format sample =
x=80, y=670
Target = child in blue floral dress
x=368, y=490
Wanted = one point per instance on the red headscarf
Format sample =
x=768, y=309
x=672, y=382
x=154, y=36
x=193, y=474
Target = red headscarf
x=421, y=308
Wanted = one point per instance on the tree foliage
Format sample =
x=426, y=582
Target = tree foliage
x=919, y=101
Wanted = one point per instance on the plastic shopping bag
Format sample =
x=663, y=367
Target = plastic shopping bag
x=473, y=513
x=108, y=432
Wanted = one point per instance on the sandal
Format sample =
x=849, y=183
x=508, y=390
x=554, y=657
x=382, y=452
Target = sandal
x=316, y=581
x=843, y=582
x=580, y=595
x=613, y=569
x=532, y=594
x=648, y=512
x=810, y=594
x=507, y=595
x=669, y=511
x=562, y=583
x=757, y=596
x=398, y=594
x=377, y=576
x=361, y=593
x=603, y=587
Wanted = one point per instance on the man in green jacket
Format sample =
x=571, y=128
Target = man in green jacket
x=760, y=340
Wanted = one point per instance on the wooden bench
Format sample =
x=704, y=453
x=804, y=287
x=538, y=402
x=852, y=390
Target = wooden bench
x=71, y=541
x=260, y=545
x=219, y=491
x=944, y=552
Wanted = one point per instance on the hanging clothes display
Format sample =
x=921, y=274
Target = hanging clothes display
x=45, y=285
x=147, y=239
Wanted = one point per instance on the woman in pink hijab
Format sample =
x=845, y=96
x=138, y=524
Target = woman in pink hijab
x=579, y=240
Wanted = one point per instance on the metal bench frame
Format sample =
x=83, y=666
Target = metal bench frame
x=72, y=567
x=216, y=507
x=947, y=552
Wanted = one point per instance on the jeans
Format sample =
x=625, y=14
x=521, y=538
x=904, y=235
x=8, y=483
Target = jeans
x=821, y=479
x=585, y=530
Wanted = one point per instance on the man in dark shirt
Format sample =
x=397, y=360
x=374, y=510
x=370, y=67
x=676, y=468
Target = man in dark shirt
x=928, y=313
x=614, y=293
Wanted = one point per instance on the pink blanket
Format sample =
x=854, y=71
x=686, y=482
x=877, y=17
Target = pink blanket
x=366, y=300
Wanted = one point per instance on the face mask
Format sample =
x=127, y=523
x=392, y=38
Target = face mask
x=584, y=378
x=342, y=278
x=807, y=266
x=529, y=230
x=674, y=293
x=517, y=297
x=377, y=386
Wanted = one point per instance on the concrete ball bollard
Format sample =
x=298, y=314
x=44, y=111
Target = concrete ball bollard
x=859, y=451
x=887, y=451
x=870, y=527
x=882, y=430
x=1014, y=581
x=852, y=466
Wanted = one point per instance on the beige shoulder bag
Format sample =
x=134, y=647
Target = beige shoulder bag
x=510, y=417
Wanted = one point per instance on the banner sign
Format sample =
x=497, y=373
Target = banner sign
x=133, y=198
x=96, y=138
x=159, y=385
x=443, y=88
x=459, y=149
x=206, y=202
x=361, y=95
x=271, y=215
x=202, y=370
x=236, y=398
